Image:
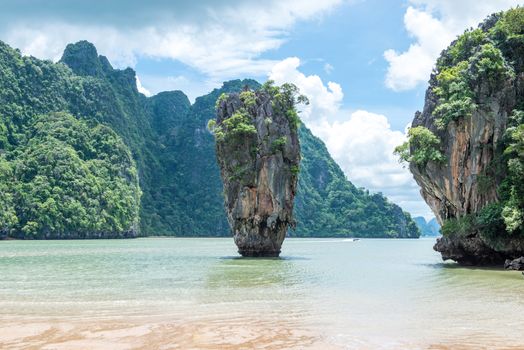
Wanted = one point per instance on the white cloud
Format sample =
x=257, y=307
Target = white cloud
x=328, y=68
x=222, y=39
x=434, y=24
x=142, y=89
x=361, y=142
x=409, y=68
x=325, y=100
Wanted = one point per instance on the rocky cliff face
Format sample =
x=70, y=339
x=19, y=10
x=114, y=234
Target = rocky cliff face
x=474, y=95
x=469, y=145
x=258, y=153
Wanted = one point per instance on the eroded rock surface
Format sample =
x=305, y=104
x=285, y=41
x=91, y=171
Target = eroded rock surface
x=516, y=264
x=467, y=185
x=258, y=153
x=453, y=190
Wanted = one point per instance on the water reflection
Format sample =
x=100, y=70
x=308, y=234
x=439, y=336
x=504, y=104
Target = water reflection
x=237, y=272
x=251, y=290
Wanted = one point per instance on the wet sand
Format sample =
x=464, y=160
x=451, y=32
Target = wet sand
x=139, y=333
x=155, y=333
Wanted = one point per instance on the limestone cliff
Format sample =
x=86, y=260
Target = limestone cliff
x=258, y=153
x=459, y=148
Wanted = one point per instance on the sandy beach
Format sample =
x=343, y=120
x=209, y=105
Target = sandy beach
x=142, y=333
x=155, y=333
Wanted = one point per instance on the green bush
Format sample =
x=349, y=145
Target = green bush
x=457, y=107
x=295, y=169
x=491, y=66
x=462, y=226
x=422, y=147
x=455, y=94
x=293, y=118
x=223, y=97
x=238, y=124
x=470, y=60
x=487, y=222
x=248, y=98
x=510, y=24
x=278, y=144
x=284, y=101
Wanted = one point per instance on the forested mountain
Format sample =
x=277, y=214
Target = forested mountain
x=429, y=228
x=63, y=171
x=91, y=115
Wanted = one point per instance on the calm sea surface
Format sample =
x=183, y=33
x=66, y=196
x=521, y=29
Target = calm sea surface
x=196, y=293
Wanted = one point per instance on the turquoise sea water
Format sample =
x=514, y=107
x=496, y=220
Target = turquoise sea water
x=363, y=294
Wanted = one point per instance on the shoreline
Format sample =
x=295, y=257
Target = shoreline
x=143, y=332
x=146, y=332
x=209, y=236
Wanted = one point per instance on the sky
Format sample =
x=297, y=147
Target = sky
x=364, y=64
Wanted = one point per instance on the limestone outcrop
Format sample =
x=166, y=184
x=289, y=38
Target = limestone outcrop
x=258, y=152
x=464, y=146
x=516, y=264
